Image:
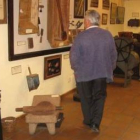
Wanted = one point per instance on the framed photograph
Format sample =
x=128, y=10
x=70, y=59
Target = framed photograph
x=80, y=6
x=27, y=30
x=3, y=13
x=52, y=66
x=104, y=19
x=120, y=15
x=94, y=3
x=113, y=13
x=106, y=4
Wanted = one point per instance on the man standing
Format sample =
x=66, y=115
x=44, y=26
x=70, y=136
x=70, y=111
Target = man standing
x=93, y=58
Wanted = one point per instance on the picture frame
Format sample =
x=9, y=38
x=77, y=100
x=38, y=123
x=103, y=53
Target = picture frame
x=3, y=11
x=94, y=3
x=80, y=6
x=120, y=15
x=113, y=13
x=106, y=4
x=104, y=19
x=52, y=66
x=26, y=46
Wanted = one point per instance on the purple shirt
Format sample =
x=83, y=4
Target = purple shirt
x=93, y=55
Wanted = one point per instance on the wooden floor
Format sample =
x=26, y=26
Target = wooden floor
x=121, y=119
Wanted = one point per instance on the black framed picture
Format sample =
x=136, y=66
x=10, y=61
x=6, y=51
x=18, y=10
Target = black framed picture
x=104, y=19
x=27, y=33
x=113, y=13
x=52, y=66
x=120, y=15
x=106, y=4
x=80, y=6
x=94, y=3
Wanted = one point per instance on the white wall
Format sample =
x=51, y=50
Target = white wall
x=131, y=6
x=14, y=88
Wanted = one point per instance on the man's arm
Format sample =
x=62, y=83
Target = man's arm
x=113, y=53
x=74, y=55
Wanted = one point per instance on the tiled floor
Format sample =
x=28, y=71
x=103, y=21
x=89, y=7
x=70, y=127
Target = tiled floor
x=121, y=120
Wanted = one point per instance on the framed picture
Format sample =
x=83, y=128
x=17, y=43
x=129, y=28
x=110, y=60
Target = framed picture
x=94, y=3
x=27, y=30
x=104, y=19
x=106, y=4
x=80, y=6
x=3, y=13
x=120, y=15
x=113, y=13
x=52, y=66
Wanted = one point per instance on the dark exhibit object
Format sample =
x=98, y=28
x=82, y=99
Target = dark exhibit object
x=41, y=35
x=30, y=43
x=134, y=22
x=59, y=120
x=127, y=58
x=32, y=80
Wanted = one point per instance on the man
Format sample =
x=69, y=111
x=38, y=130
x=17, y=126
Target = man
x=93, y=58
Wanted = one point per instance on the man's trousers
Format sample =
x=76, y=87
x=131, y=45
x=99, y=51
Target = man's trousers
x=92, y=96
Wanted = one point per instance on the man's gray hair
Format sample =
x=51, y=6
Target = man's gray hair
x=93, y=16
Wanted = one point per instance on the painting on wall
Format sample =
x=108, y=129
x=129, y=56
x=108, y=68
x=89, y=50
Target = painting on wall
x=80, y=6
x=52, y=66
x=106, y=4
x=113, y=12
x=104, y=19
x=28, y=31
x=3, y=13
x=94, y=3
x=120, y=15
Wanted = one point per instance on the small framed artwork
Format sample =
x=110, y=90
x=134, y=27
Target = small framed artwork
x=80, y=7
x=106, y=4
x=120, y=15
x=94, y=3
x=113, y=13
x=3, y=13
x=52, y=66
x=104, y=19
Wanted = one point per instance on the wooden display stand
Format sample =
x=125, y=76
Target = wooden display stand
x=50, y=120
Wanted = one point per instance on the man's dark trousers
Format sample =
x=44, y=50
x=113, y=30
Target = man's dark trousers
x=92, y=96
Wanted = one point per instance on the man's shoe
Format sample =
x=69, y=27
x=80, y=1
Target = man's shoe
x=95, y=128
x=87, y=124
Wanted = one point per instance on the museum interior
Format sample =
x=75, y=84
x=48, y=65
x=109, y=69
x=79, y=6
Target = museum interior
x=35, y=40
